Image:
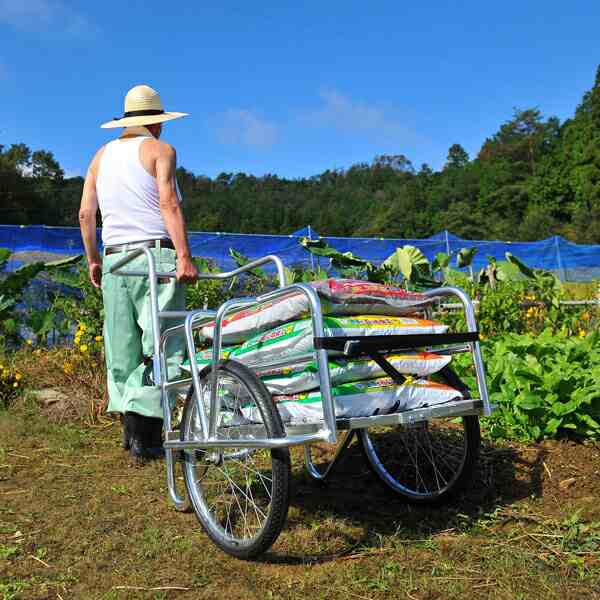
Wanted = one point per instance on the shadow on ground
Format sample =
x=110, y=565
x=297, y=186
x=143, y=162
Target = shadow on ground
x=354, y=496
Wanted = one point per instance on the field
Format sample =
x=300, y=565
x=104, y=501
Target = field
x=77, y=520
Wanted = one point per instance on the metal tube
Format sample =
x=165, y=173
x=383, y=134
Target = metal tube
x=475, y=348
x=177, y=314
x=251, y=265
x=215, y=400
x=154, y=315
x=189, y=339
x=310, y=466
x=129, y=256
x=314, y=304
x=295, y=440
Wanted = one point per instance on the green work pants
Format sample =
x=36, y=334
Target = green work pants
x=128, y=340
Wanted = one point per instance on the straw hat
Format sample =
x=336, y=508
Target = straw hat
x=142, y=107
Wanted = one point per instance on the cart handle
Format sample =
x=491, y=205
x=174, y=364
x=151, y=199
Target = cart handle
x=271, y=258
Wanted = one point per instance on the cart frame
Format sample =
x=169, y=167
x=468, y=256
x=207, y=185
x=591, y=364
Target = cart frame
x=296, y=434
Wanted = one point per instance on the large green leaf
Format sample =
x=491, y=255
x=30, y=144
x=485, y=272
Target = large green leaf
x=241, y=260
x=14, y=282
x=465, y=257
x=338, y=259
x=508, y=271
x=5, y=254
x=406, y=260
x=5, y=302
x=42, y=322
x=521, y=266
x=440, y=262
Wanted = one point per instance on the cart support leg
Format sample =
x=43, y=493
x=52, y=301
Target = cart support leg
x=313, y=471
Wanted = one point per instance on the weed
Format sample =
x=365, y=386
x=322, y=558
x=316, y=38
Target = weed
x=120, y=489
x=12, y=590
x=7, y=552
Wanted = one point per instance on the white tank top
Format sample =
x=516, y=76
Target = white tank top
x=128, y=195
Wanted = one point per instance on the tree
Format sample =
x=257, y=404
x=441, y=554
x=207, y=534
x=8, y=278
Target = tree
x=457, y=157
x=44, y=164
x=396, y=162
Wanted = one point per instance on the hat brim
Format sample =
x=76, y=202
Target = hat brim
x=143, y=120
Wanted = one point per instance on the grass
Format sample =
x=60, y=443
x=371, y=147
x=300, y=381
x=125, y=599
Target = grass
x=77, y=520
x=583, y=290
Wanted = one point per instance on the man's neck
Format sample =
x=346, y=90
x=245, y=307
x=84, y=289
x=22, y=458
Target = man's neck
x=138, y=131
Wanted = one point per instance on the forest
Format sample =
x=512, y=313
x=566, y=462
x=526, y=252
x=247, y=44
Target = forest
x=533, y=178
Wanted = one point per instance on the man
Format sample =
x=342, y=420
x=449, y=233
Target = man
x=132, y=181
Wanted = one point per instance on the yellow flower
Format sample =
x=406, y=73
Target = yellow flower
x=67, y=368
x=18, y=376
x=83, y=328
x=98, y=338
x=30, y=342
x=581, y=333
x=15, y=385
x=83, y=347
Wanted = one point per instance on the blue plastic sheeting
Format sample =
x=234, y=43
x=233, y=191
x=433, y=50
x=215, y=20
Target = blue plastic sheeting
x=573, y=262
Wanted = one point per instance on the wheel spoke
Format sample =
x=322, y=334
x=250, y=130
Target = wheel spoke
x=420, y=461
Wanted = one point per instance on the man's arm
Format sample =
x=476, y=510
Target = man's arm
x=87, y=222
x=172, y=214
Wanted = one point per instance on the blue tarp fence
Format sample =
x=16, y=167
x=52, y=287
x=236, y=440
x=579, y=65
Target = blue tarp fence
x=571, y=262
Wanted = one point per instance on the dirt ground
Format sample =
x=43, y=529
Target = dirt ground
x=77, y=520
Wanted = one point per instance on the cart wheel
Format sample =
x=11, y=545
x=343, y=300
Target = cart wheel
x=425, y=462
x=240, y=496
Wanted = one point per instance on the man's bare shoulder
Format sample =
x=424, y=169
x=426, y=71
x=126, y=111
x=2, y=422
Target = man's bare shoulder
x=95, y=164
x=158, y=148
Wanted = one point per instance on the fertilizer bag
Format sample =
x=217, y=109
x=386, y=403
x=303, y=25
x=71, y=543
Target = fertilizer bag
x=304, y=376
x=338, y=297
x=362, y=399
x=296, y=339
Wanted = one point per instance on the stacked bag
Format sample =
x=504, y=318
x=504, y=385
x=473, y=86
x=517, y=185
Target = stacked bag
x=276, y=340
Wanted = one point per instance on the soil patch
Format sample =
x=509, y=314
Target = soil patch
x=77, y=520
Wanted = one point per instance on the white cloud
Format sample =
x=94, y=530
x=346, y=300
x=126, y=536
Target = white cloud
x=349, y=116
x=244, y=127
x=44, y=15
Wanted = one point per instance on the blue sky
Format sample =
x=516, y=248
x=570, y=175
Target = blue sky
x=291, y=88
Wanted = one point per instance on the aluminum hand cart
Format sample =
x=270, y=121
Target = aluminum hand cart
x=236, y=468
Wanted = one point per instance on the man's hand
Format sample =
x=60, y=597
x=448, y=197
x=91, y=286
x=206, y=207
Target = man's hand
x=186, y=270
x=95, y=269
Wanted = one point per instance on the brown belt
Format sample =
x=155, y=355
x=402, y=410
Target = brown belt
x=163, y=243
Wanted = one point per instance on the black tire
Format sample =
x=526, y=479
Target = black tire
x=427, y=462
x=267, y=496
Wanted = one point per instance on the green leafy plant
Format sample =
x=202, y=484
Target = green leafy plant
x=11, y=384
x=12, y=286
x=544, y=385
x=81, y=305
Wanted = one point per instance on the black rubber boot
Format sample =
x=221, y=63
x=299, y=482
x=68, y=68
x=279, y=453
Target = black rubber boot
x=155, y=441
x=126, y=422
x=139, y=438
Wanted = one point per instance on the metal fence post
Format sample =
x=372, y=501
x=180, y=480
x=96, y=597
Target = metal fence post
x=561, y=270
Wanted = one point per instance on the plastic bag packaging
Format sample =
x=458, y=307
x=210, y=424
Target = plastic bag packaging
x=296, y=339
x=302, y=377
x=338, y=297
x=361, y=399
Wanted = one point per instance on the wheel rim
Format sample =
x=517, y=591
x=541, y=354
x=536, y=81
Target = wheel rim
x=232, y=489
x=422, y=460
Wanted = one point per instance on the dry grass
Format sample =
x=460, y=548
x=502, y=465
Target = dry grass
x=81, y=377
x=78, y=521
